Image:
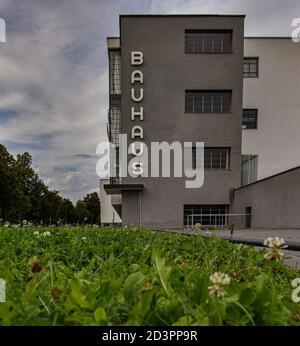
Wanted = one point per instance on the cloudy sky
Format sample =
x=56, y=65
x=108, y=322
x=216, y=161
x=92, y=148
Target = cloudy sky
x=54, y=75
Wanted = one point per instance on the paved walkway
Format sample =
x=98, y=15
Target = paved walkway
x=289, y=235
x=259, y=235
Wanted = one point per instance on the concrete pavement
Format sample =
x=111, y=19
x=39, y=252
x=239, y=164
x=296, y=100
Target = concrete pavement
x=257, y=236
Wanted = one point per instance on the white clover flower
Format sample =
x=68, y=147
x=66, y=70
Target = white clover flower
x=36, y=232
x=84, y=238
x=219, y=280
x=197, y=227
x=46, y=234
x=274, y=242
x=275, y=245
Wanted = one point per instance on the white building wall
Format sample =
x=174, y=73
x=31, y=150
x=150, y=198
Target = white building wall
x=108, y=213
x=276, y=95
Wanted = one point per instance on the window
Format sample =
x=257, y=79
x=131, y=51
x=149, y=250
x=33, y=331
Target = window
x=250, y=67
x=214, y=158
x=249, y=169
x=115, y=72
x=208, y=41
x=249, y=119
x=113, y=131
x=206, y=215
x=207, y=101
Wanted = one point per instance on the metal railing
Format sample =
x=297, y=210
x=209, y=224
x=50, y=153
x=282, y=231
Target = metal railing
x=218, y=220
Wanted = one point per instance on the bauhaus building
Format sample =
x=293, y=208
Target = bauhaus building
x=191, y=78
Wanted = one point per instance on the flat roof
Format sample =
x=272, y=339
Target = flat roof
x=245, y=37
x=116, y=189
x=268, y=37
x=113, y=42
x=269, y=177
x=182, y=15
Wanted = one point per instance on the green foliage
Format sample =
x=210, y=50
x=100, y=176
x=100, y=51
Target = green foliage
x=93, y=276
x=88, y=209
x=23, y=196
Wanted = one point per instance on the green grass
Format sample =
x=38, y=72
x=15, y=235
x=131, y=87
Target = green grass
x=137, y=277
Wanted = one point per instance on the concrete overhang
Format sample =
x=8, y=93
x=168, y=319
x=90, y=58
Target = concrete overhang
x=113, y=43
x=116, y=189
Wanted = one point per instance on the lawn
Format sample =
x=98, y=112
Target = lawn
x=96, y=276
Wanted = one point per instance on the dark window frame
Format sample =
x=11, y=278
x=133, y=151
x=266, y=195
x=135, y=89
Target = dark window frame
x=193, y=104
x=206, y=209
x=192, y=39
x=248, y=73
x=114, y=79
x=216, y=163
x=249, y=167
x=245, y=125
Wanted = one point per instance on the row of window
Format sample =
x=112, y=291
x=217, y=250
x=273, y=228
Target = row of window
x=212, y=41
x=217, y=101
x=219, y=158
x=196, y=41
x=206, y=101
x=206, y=215
x=212, y=215
x=216, y=42
x=214, y=158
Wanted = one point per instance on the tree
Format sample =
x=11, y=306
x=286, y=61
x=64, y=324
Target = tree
x=81, y=212
x=66, y=211
x=23, y=196
x=7, y=182
x=88, y=209
x=92, y=203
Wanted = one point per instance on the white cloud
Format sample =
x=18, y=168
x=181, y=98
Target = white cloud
x=263, y=18
x=53, y=74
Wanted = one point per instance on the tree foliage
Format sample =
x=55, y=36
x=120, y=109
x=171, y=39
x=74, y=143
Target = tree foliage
x=24, y=196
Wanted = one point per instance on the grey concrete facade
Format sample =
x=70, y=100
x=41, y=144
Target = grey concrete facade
x=168, y=72
x=274, y=201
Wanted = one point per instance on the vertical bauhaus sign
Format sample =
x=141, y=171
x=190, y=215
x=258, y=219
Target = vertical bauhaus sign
x=137, y=94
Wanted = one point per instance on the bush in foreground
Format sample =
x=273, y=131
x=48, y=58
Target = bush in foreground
x=92, y=276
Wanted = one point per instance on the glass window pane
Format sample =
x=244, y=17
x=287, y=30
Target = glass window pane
x=208, y=102
x=207, y=42
x=250, y=67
